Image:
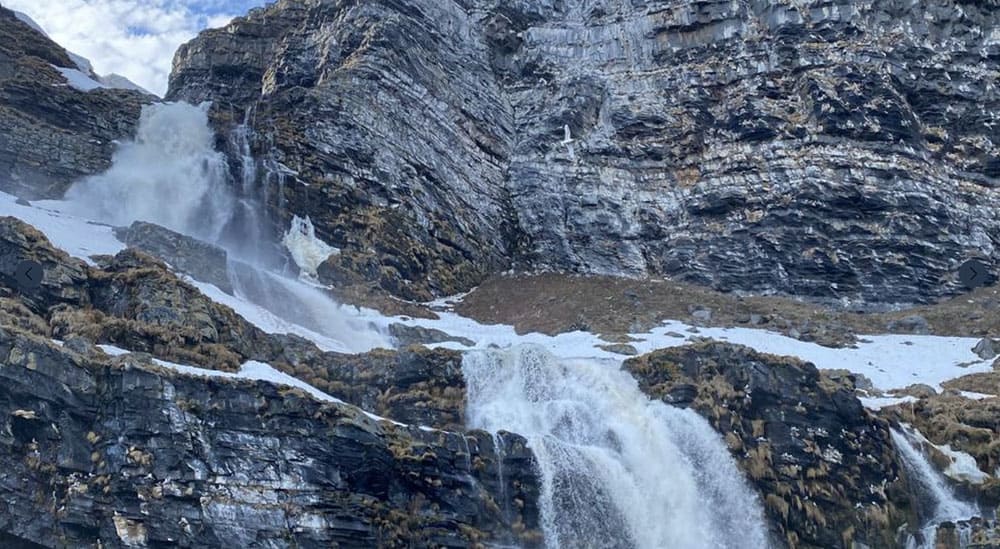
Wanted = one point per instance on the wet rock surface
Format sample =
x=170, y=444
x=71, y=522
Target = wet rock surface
x=804, y=441
x=831, y=151
x=50, y=133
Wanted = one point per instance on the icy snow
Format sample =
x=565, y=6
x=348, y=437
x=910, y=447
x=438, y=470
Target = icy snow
x=78, y=80
x=889, y=361
x=74, y=235
x=307, y=250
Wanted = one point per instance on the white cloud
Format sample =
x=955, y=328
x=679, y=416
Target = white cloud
x=134, y=38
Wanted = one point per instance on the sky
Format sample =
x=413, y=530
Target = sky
x=134, y=38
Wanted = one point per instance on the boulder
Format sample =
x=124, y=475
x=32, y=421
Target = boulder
x=805, y=442
x=202, y=261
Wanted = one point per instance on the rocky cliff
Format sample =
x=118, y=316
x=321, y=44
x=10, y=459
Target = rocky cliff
x=52, y=134
x=820, y=148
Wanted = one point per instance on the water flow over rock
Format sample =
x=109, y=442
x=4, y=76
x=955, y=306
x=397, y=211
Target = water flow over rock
x=617, y=469
x=171, y=175
x=938, y=502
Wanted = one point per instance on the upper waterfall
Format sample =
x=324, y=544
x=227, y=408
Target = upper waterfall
x=170, y=174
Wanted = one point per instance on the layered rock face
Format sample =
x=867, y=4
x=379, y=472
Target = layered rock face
x=129, y=453
x=360, y=122
x=50, y=133
x=823, y=149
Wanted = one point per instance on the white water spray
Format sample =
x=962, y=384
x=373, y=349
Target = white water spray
x=941, y=503
x=172, y=175
x=617, y=469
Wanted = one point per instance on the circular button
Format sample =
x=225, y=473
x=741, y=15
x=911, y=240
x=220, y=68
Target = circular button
x=973, y=274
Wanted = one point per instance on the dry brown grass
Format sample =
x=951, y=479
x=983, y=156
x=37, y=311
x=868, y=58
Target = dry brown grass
x=555, y=303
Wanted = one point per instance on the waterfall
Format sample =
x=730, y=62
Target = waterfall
x=172, y=175
x=937, y=503
x=616, y=469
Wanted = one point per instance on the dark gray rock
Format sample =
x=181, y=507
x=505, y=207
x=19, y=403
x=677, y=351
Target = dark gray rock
x=202, y=261
x=128, y=454
x=52, y=134
x=911, y=324
x=987, y=348
x=823, y=150
x=411, y=335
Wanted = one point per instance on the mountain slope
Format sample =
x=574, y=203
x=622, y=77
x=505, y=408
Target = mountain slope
x=52, y=133
x=821, y=149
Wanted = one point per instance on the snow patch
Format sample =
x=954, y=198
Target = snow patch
x=78, y=80
x=76, y=236
x=307, y=250
x=889, y=361
x=120, y=82
x=877, y=403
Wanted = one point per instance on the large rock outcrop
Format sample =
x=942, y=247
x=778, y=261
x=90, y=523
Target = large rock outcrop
x=826, y=469
x=120, y=453
x=130, y=453
x=358, y=119
x=816, y=148
x=52, y=134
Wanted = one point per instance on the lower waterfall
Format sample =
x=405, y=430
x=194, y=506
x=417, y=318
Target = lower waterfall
x=617, y=469
x=939, y=502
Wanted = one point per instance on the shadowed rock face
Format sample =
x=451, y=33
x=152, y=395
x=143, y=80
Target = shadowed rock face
x=50, y=133
x=822, y=149
x=129, y=454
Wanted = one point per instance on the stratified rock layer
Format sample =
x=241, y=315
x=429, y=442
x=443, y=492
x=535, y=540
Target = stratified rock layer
x=816, y=148
x=50, y=133
x=120, y=453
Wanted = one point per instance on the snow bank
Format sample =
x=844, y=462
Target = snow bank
x=306, y=249
x=78, y=80
x=889, y=361
x=74, y=235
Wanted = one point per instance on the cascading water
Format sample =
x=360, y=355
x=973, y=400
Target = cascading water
x=937, y=502
x=171, y=175
x=617, y=469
